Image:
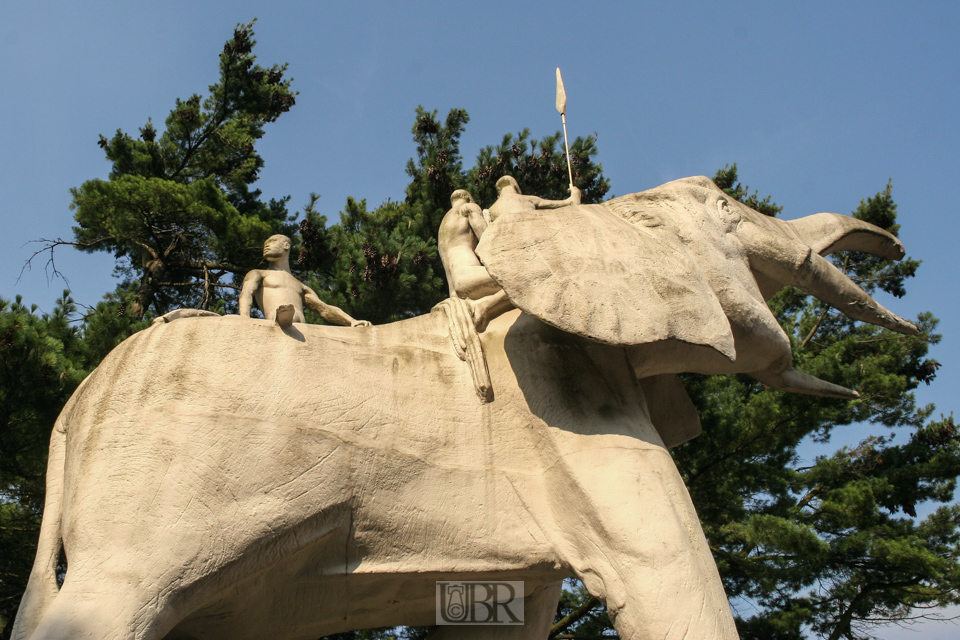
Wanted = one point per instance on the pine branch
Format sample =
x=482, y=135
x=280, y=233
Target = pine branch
x=572, y=617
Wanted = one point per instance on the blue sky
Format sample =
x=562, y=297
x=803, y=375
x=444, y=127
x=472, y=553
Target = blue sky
x=818, y=103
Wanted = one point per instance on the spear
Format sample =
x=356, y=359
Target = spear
x=562, y=108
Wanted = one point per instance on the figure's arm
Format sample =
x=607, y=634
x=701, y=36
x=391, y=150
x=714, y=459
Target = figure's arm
x=251, y=283
x=574, y=198
x=330, y=313
x=474, y=216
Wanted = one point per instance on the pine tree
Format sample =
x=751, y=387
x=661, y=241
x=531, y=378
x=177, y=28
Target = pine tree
x=178, y=211
x=43, y=358
x=182, y=219
x=37, y=375
x=832, y=547
x=384, y=266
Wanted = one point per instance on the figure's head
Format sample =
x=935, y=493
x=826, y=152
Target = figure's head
x=508, y=181
x=276, y=247
x=459, y=196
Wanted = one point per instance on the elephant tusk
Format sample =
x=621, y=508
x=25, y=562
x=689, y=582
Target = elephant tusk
x=818, y=277
x=777, y=260
x=796, y=381
x=829, y=232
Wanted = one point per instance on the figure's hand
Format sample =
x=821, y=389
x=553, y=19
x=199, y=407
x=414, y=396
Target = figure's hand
x=361, y=323
x=575, y=195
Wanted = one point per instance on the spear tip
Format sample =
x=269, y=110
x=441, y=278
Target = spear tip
x=561, y=95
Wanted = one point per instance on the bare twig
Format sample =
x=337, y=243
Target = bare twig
x=197, y=284
x=51, y=265
x=815, y=327
x=206, y=288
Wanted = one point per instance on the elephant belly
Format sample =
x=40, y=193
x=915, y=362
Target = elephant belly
x=279, y=608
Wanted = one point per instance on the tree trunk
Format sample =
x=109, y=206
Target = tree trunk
x=148, y=288
x=843, y=622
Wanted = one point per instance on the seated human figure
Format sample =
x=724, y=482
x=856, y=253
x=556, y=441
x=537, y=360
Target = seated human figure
x=280, y=295
x=460, y=232
x=510, y=198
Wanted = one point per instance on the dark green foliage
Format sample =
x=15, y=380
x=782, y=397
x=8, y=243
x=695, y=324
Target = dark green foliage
x=179, y=214
x=437, y=171
x=874, y=272
x=540, y=167
x=856, y=538
x=389, y=633
x=727, y=180
x=178, y=211
x=838, y=546
x=42, y=360
x=37, y=375
x=108, y=324
x=376, y=265
x=580, y=615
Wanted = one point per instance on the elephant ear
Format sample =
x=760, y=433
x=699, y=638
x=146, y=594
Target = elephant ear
x=586, y=271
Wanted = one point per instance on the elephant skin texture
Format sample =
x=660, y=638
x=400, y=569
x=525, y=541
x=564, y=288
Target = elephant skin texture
x=234, y=478
x=226, y=478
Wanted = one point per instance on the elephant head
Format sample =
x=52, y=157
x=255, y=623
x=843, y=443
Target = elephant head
x=680, y=275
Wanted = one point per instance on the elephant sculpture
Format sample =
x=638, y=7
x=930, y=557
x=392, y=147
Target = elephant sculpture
x=231, y=478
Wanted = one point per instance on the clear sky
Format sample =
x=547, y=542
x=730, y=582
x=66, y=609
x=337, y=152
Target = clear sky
x=819, y=104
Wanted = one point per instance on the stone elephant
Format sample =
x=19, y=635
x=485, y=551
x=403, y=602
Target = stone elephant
x=229, y=478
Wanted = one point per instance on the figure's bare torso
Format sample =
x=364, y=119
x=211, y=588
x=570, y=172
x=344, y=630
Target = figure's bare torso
x=512, y=202
x=457, y=244
x=460, y=232
x=279, y=288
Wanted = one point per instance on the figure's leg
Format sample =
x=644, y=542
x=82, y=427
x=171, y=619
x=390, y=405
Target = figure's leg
x=539, y=608
x=285, y=314
x=636, y=543
x=487, y=308
x=474, y=282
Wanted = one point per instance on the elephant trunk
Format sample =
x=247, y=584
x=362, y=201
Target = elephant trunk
x=820, y=278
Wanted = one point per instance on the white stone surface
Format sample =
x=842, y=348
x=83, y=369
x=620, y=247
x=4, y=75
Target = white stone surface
x=234, y=478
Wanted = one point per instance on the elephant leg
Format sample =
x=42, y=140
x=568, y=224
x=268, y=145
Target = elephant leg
x=539, y=609
x=636, y=544
x=102, y=609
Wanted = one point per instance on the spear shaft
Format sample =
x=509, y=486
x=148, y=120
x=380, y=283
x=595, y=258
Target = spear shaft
x=562, y=108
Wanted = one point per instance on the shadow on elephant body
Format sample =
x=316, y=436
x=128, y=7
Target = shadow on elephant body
x=577, y=385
